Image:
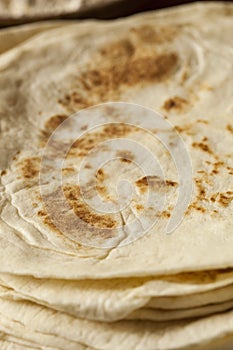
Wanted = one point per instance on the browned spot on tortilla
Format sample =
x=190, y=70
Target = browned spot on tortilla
x=53, y=122
x=184, y=128
x=196, y=206
x=149, y=34
x=16, y=155
x=203, y=121
x=139, y=207
x=201, y=190
x=47, y=221
x=87, y=166
x=155, y=182
x=165, y=214
x=141, y=69
x=87, y=142
x=230, y=128
x=225, y=198
x=175, y=103
x=84, y=212
x=213, y=198
x=125, y=156
x=50, y=125
x=102, y=191
x=67, y=171
x=118, y=50
x=126, y=160
x=3, y=172
x=230, y=170
x=171, y=183
x=218, y=164
x=107, y=80
x=203, y=146
x=30, y=167
x=100, y=175
x=89, y=224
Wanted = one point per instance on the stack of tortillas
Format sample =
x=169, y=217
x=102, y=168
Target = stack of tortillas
x=116, y=227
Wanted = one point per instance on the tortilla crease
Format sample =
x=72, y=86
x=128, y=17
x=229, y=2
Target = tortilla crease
x=112, y=300
x=31, y=321
x=99, y=312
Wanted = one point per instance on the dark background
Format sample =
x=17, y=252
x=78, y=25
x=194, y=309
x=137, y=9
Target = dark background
x=118, y=9
x=128, y=7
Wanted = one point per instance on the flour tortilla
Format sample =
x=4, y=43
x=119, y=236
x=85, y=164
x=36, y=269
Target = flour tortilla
x=25, y=237
x=161, y=315
x=131, y=334
x=216, y=296
x=58, y=71
x=111, y=300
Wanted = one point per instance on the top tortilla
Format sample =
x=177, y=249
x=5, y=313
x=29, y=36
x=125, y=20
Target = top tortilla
x=174, y=61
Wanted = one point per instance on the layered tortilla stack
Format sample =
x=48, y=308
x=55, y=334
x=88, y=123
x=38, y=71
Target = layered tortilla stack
x=73, y=276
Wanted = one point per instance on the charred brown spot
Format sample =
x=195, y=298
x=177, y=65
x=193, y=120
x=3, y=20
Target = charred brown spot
x=154, y=182
x=118, y=130
x=123, y=49
x=30, y=167
x=230, y=128
x=3, y=172
x=126, y=160
x=213, y=198
x=87, y=166
x=171, y=183
x=125, y=156
x=175, y=103
x=100, y=175
x=86, y=143
x=47, y=221
x=67, y=171
x=165, y=214
x=53, y=122
x=201, y=191
x=84, y=212
x=230, y=170
x=107, y=82
x=102, y=191
x=225, y=198
x=143, y=69
x=139, y=207
x=195, y=206
x=202, y=146
x=202, y=121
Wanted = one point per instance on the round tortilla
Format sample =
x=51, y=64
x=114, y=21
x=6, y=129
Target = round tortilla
x=183, y=67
